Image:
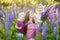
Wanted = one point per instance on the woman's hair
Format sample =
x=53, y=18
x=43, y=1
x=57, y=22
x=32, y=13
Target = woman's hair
x=25, y=21
x=33, y=20
x=26, y=17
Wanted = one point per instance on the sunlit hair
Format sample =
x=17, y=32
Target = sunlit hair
x=25, y=21
x=33, y=20
x=26, y=17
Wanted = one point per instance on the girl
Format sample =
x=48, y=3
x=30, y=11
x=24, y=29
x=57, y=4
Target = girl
x=19, y=23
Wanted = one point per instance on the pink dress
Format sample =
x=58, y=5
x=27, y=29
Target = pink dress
x=31, y=28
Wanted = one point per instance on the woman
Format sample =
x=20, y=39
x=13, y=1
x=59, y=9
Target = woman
x=31, y=30
x=26, y=22
x=31, y=27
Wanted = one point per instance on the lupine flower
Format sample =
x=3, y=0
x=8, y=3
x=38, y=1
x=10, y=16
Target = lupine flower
x=27, y=7
x=52, y=6
x=14, y=9
x=51, y=11
x=46, y=8
x=55, y=33
x=38, y=29
x=1, y=13
x=52, y=25
x=45, y=13
x=5, y=11
x=0, y=6
x=58, y=21
x=33, y=8
x=44, y=32
x=58, y=9
x=7, y=23
x=59, y=14
x=11, y=15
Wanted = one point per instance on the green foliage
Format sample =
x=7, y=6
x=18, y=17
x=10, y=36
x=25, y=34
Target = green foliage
x=58, y=32
x=38, y=37
x=57, y=0
x=49, y=34
x=12, y=33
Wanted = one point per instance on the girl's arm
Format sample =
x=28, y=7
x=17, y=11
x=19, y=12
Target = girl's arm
x=18, y=27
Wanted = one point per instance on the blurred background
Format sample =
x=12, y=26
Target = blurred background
x=20, y=4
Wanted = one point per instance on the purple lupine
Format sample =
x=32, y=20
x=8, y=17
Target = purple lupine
x=14, y=9
x=44, y=32
x=27, y=7
x=0, y=6
x=7, y=23
x=59, y=16
x=46, y=8
x=38, y=29
x=52, y=6
x=33, y=8
x=11, y=15
x=51, y=11
x=58, y=11
x=5, y=11
x=50, y=16
x=52, y=25
x=1, y=14
x=57, y=21
x=46, y=11
x=55, y=33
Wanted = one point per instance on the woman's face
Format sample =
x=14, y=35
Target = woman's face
x=31, y=14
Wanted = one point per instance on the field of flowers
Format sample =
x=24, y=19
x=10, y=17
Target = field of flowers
x=49, y=30
x=12, y=33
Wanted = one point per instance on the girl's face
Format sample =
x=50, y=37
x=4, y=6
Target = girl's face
x=21, y=16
